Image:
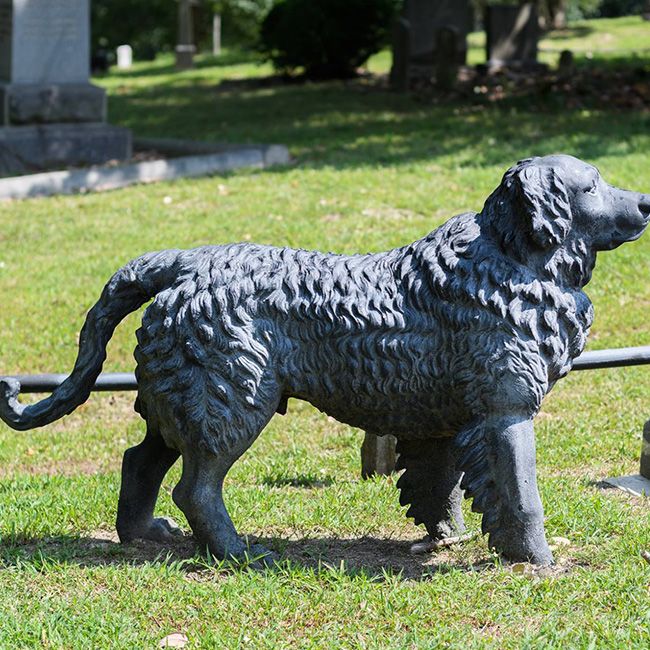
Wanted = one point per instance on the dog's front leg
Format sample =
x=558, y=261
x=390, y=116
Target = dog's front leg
x=497, y=455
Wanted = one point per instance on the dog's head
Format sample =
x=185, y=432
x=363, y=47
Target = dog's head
x=557, y=198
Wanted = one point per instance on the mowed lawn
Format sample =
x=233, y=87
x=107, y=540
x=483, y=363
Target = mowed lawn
x=371, y=170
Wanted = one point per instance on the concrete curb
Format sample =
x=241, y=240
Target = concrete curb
x=98, y=179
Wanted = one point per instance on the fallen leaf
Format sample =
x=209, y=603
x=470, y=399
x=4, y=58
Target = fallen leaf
x=175, y=640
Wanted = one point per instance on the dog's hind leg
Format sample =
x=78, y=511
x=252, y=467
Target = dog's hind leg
x=199, y=494
x=497, y=455
x=143, y=469
x=431, y=485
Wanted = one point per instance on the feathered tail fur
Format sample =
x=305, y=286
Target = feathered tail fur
x=132, y=286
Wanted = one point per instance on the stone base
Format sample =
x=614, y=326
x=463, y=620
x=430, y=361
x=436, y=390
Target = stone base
x=378, y=455
x=51, y=103
x=635, y=484
x=27, y=149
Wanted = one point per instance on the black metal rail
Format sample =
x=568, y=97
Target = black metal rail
x=115, y=381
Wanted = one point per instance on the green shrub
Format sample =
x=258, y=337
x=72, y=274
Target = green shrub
x=329, y=39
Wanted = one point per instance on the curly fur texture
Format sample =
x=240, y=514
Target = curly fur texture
x=481, y=316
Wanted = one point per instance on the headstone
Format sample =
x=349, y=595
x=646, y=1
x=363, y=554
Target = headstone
x=399, y=72
x=185, y=49
x=446, y=61
x=565, y=65
x=124, y=57
x=425, y=18
x=512, y=34
x=44, y=86
x=216, y=34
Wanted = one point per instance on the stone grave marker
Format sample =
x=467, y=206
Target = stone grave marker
x=124, y=57
x=420, y=23
x=512, y=34
x=50, y=114
x=446, y=58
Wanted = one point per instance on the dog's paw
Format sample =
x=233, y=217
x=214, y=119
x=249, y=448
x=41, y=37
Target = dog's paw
x=162, y=529
x=260, y=557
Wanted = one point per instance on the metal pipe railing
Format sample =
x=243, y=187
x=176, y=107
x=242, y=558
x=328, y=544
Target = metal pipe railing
x=116, y=381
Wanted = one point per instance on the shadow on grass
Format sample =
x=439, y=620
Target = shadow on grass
x=307, y=481
x=370, y=556
x=354, y=124
x=227, y=58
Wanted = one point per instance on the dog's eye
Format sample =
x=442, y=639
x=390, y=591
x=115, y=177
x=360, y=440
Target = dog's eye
x=592, y=189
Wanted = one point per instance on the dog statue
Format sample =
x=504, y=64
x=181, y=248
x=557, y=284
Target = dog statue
x=449, y=343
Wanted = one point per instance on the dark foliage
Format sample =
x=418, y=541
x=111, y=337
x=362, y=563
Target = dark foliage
x=329, y=39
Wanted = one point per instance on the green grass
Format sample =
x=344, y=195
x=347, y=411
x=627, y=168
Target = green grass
x=372, y=170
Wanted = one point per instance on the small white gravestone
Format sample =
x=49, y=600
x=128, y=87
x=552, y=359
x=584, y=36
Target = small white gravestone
x=124, y=57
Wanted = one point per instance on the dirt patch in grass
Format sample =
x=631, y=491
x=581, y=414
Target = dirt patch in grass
x=373, y=556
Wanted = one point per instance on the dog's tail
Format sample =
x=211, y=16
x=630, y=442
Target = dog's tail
x=132, y=286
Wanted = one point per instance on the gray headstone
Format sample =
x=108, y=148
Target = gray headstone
x=428, y=16
x=512, y=34
x=399, y=72
x=44, y=81
x=44, y=41
x=446, y=59
x=425, y=19
x=565, y=65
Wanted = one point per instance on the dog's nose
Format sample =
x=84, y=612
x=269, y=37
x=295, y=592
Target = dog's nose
x=644, y=206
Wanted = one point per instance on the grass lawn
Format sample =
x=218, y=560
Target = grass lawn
x=372, y=170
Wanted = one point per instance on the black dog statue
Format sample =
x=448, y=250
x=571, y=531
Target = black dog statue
x=449, y=343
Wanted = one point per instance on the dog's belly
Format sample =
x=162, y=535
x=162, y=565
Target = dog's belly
x=404, y=386
x=405, y=417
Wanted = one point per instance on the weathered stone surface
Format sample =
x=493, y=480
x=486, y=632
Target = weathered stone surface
x=512, y=33
x=378, y=455
x=45, y=93
x=44, y=41
x=25, y=149
x=415, y=37
x=446, y=57
x=426, y=17
x=51, y=103
x=114, y=177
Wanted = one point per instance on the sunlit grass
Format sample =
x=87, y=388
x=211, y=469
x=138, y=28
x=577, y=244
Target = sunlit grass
x=371, y=170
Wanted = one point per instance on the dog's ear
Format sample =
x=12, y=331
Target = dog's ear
x=542, y=196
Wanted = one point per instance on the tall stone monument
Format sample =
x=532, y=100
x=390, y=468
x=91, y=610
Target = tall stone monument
x=51, y=116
